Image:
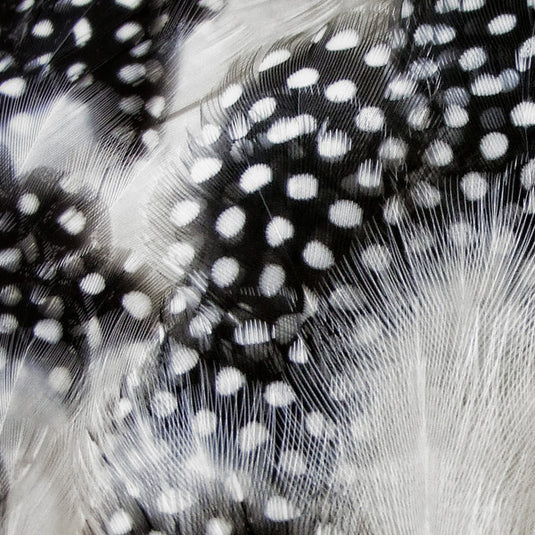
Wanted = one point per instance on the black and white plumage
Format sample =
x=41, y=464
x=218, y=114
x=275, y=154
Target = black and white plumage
x=332, y=332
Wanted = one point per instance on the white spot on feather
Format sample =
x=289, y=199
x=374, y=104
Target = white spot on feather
x=302, y=187
x=333, y=144
x=279, y=394
x=343, y=40
x=317, y=255
x=82, y=32
x=279, y=230
x=279, y=509
x=120, y=523
x=184, y=212
x=225, y=271
x=229, y=381
x=230, y=222
x=205, y=168
x=303, y=78
x=255, y=177
x=48, y=330
x=93, y=284
x=251, y=436
x=72, y=221
x=289, y=128
x=274, y=58
x=183, y=359
x=262, y=109
x=137, y=304
x=340, y=91
x=14, y=87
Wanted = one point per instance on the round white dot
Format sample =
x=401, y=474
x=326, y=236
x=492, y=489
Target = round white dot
x=302, y=187
x=378, y=56
x=438, y=154
x=173, y=501
x=274, y=58
x=179, y=254
x=210, y=134
x=256, y=177
x=279, y=509
x=43, y=28
x=376, y=257
x=238, y=127
x=343, y=40
x=486, y=85
x=204, y=169
x=120, y=523
x=345, y=214
x=251, y=436
x=456, y=116
x=303, y=78
x=317, y=255
x=502, y=24
x=494, y=145
x=340, y=91
x=230, y=222
x=10, y=259
x=230, y=95
x=82, y=32
x=185, y=212
x=393, y=149
x=204, y=423
x=183, y=298
x=229, y=381
x=28, y=204
x=262, y=109
x=163, y=404
x=252, y=332
x=137, y=304
x=333, y=144
x=10, y=295
x=225, y=271
x=473, y=59
x=279, y=394
x=474, y=186
x=129, y=4
x=72, y=221
x=128, y=31
x=370, y=119
x=132, y=73
x=93, y=284
x=218, y=526
x=271, y=280
x=369, y=174
x=182, y=358
x=315, y=424
x=14, y=87
x=426, y=195
x=155, y=106
x=523, y=114
x=292, y=462
x=60, y=379
x=527, y=174
x=8, y=323
x=288, y=128
x=48, y=330
x=278, y=231
x=298, y=352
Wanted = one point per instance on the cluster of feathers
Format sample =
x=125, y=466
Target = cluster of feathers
x=267, y=267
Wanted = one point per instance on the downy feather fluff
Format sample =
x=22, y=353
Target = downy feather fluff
x=326, y=325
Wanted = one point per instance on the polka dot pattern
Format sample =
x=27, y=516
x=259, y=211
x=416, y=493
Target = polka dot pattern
x=60, y=281
x=120, y=45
